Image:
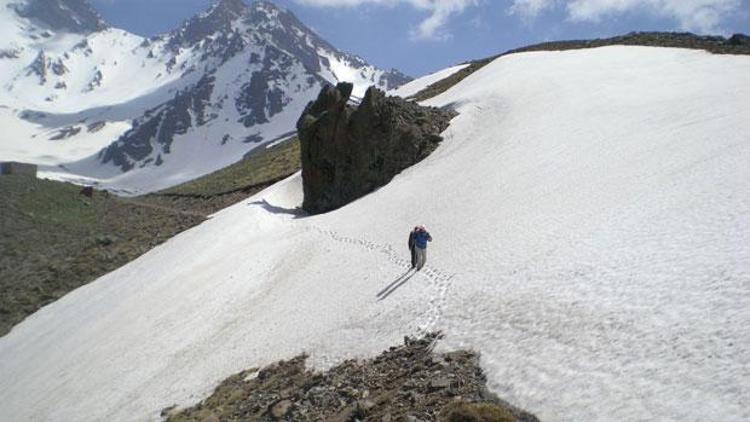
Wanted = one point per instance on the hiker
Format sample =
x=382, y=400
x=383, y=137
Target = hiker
x=420, y=246
x=412, y=250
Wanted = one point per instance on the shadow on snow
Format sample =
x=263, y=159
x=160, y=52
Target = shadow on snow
x=395, y=284
x=296, y=212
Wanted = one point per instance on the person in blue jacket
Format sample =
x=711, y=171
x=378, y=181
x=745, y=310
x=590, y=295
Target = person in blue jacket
x=421, y=237
x=412, y=248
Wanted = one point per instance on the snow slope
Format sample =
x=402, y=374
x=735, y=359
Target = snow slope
x=413, y=87
x=592, y=241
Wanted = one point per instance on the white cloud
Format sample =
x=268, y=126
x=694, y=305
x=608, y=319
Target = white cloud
x=704, y=16
x=692, y=15
x=531, y=8
x=431, y=28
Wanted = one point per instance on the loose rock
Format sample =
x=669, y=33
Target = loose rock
x=394, y=391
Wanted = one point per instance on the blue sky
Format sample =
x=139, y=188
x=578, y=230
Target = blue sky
x=420, y=36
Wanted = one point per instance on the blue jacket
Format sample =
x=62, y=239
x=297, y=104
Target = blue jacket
x=421, y=239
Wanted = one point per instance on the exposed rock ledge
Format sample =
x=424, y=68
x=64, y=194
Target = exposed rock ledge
x=407, y=383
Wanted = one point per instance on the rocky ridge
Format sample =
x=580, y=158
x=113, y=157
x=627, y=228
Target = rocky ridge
x=406, y=383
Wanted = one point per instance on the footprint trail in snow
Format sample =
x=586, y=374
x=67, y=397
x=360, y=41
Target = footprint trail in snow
x=439, y=281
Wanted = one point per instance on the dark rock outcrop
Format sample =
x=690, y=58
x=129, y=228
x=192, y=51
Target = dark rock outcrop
x=348, y=152
x=39, y=67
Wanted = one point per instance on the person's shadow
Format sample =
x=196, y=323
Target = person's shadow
x=398, y=282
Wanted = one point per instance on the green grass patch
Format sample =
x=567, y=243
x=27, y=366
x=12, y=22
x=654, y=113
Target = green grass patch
x=234, y=183
x=259, y=167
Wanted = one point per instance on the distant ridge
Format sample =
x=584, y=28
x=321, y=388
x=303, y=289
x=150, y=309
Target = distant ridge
x=736, y=44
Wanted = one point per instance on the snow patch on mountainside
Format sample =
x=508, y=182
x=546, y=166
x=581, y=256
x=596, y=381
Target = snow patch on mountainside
x=589, y=211
x=341, y=69
x=417, y=85
x=221, y=84
x=28, y=142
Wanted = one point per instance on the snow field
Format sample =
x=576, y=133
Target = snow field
x=592, y=240
x=419, y=84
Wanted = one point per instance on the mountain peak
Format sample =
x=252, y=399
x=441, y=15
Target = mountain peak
x=227, y=9
x=62, y=15
x=218, y=18
x=266, y=5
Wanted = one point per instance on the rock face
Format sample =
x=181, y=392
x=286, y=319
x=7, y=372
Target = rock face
x=348, y=152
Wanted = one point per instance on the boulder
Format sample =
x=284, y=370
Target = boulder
x=349, y=151
x=87, y=191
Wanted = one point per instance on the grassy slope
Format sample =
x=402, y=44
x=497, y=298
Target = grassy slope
x=53, y=240
x=229, y=185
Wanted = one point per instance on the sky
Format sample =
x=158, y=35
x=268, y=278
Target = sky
x=421, y=36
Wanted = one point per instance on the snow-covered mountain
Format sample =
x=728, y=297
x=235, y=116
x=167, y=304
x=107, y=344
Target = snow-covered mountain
x=591, y=221
x=99, y=104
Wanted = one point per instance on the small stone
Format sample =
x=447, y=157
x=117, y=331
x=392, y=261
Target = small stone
x=350, y=392
x=349, y=413
x=251, y=375
x=280, y=409
x=440, y=383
